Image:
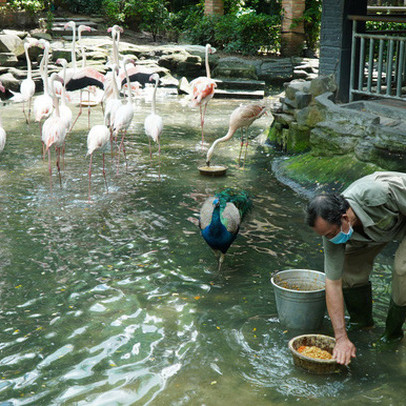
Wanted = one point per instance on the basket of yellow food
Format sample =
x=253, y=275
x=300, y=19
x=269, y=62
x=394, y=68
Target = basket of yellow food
x=313, y=352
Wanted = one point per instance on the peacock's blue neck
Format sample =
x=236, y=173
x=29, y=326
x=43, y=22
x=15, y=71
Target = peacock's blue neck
x=216, y=234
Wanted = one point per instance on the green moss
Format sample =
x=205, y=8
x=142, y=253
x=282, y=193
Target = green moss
x=334, y=173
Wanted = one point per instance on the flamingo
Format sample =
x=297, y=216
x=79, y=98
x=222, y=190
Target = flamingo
x=153, y=123
x=98, y=138
x=89, y=89
x=115, y=36
x=124, y=115
x=112, y=105
x=43, y=104
x=2, y=131
x=27, y=86
x=242, y=117
x=54, y=131
x=80, y=78
x=138, y=77
x=202, y=89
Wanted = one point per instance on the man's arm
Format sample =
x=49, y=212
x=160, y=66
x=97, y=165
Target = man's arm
x=344, y=349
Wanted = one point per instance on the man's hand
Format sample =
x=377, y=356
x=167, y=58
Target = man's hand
x=344, y=350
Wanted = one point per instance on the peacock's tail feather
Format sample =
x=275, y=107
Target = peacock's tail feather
x=239, y=198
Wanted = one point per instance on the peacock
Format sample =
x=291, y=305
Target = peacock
x=220, y=219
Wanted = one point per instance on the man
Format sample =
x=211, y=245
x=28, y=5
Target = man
x=355, y=227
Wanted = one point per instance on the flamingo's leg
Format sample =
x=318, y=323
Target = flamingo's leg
x=58, y=157
x=90, y=174
x=80, y=111
x=50, y=169
x=104, y=174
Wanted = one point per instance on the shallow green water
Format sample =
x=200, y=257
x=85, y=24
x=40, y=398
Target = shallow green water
x=118, y=302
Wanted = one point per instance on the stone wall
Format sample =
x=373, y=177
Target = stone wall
x=308, y=119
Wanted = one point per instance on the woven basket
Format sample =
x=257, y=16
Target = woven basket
x=314, y=365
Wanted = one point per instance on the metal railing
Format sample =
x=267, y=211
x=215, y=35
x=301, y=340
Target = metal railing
x=377, y=63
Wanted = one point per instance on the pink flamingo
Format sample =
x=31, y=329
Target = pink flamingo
x=98, y=138
x=153, y=123
x=242, y=117
x=54, y=131
x=124, y=115
x=202, y=89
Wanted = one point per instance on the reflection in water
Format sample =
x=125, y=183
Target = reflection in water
x=118, y=302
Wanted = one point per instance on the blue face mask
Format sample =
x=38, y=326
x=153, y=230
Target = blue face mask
x=341, y=237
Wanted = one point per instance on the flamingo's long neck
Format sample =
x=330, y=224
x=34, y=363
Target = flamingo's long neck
x=115, y=87
x=207, y=62
x=82, y=48
x=44, y=63
x=83, y=57
x=154, y=97
x=29, y=74
x=55, y=99
x=63, y=87
x=116, y=40
x=74, y=46
x=130, y=99
x=230, y=133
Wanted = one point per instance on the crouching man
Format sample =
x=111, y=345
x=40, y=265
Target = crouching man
x=355, y=227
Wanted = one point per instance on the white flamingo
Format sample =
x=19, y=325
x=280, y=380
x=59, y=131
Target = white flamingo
x=153, y=123
x=43, y=104
x=124, y=115
x=112, y=105
x=98, y=138
x=27, y=86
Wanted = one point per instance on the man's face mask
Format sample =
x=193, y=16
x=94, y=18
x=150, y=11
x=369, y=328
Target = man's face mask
x=341, y=237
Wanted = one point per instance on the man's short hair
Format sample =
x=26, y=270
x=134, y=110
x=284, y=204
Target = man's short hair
x=329, y=207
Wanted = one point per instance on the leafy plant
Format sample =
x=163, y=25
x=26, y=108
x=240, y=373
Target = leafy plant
x=30, y=6
x=82, y=6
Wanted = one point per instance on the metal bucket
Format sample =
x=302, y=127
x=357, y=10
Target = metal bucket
x=300, y=298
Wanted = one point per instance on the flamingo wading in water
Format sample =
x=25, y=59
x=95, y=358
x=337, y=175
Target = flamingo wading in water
x=153, y=123
x=98, y=138
x=242, y=117
x=54, y=131
x=202, y=89
x=124, y=116
x=27, y=86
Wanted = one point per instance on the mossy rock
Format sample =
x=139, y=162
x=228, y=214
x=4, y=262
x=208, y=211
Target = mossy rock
x=325, y=173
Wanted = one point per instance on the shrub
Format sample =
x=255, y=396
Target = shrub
x=114, y=11
x=30, y=6
x=82, y=6
x=245, y=33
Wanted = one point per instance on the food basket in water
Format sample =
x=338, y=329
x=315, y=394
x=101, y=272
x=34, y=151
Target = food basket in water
x=213, y=170
x=300, y=299
x=314, y=365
